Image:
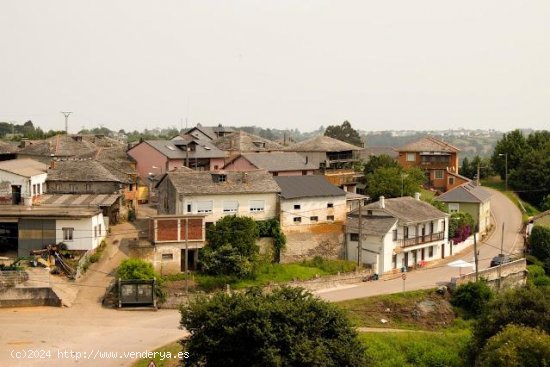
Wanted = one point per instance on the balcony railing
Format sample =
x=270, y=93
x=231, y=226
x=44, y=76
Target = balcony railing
x=407, y=242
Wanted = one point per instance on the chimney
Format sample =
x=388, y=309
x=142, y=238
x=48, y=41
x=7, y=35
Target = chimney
x=23, y=143
x=417, y=195
x=382, y=202
x=244, y=177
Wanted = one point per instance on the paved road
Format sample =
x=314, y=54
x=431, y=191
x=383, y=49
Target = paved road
x=503, y=210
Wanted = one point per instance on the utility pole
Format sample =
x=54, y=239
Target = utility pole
x=187, y=257
x=66, y=114
x=359, y=240
x=476, y=254
x=501, y=257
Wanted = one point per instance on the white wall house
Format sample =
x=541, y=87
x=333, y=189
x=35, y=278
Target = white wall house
x=82, y=233
x=21, y=181
x=397, y=233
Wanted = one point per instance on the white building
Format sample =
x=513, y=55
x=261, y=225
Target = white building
x=397, y=233
x=22, y=181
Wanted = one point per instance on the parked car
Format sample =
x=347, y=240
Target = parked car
x=500, y=259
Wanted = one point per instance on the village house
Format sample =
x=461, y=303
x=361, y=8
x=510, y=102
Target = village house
x=22, y=181
x=397, y=234
x=277, y=163
x=60, y=146
x=84, y=182
x=209, y=132
x=7, y=151
x=439, y=161
x=312, y=217
x=334, y=158
x=470, y=198
x=35, y=227
x=171, y=237
x=156, y=157
x=217, y=194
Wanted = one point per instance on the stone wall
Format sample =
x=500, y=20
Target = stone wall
x=326, y=240
x=512, y=274
x=11, y=278
x=26, y=297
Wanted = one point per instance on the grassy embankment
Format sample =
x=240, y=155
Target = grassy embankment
x=496, y=183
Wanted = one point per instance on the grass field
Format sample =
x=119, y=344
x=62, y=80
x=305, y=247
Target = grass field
x=173, y=349
x=416, y=349
x=544, y=221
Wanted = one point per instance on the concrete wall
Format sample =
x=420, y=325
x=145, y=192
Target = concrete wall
x=26, y=297
x=10, y=278
x=512, y=274
x=311, y=207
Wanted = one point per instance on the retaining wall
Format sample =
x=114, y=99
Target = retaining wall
x=511, y=275
x=27, y=297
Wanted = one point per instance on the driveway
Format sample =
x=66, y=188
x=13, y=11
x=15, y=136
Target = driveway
x=503, y=211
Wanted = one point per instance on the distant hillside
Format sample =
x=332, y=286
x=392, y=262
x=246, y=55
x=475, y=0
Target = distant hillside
x=470, y=143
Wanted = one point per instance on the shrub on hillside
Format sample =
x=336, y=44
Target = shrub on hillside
x=539, y=241
x=136, y=269
x=472, y=297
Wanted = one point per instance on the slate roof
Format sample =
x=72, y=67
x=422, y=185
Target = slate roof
x=170, y=149
x=68, y=200
x=6, y=147
x=306, y=186
x=428, y=144
x=322, y=144
x=80, y=170
x=61, y=146
x=372, y=225
x=407, y=210
x=212, y=131
x=24, y=167
x=278, y=161
x=205, y=182
x=244, y=142
x=466, y=193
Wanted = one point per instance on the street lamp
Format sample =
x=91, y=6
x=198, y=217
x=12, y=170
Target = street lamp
x=505, y=169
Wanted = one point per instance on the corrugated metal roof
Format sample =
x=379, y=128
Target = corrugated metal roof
x=72, y=200
x=306, y=186
x=20, y=211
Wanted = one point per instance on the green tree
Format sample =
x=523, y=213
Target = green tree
x=231, y=248
x=472, y=297
x=345, y=133
x=389, y=181
x=465, y=168
x=515, y=146
x=380, y=161
x=526, y=306
x=532, y=176
x=288, y=327
x=461, y=226
x=516, y=346
x=539, y=241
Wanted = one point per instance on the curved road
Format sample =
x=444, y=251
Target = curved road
x=503, y=211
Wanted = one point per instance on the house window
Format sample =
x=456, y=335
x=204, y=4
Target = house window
x=330, y=218
x=314, y=219
x=275, y=174
x=405, y=232
x=296, y=206
x=439, y=174
x=72, y=188
x=257, y=206
x=88, y=187
x=454, y=207
x=394, y=234
x=431, y=251
x=411, y=157
x=354, y=237
x=297, y=219
x=95, y=231
x=443, y=225
x=304, y=173
x=451, y=180
x=58, y=187
x=204, y=206
x=68, y=234
x=230, y=206
x=167, y=257
x=33, y=190
x=99, y=229
x=330, y=205
x=394, y=261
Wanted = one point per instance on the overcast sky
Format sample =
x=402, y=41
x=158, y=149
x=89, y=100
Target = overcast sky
x=283, y=63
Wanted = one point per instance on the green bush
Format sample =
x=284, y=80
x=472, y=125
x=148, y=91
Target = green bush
x=543, y=281
x=535, y=271
x=95, y=257
x=516, y=346
x=539, y=240
x=472, y=297
x=330, y=266
x=130, y=269
x=532, y=260
x=272, y=228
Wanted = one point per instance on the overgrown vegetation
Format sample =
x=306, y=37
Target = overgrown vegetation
x=472, y=298
x=461, y=226
x=138, y=269
x=391, y=182
x=288, y=327
x=272, y=228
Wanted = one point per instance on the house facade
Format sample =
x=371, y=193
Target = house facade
x=312, y=217
x=470, y=198
x=156, y=157
x=173, y=237
x=438, y=160
x=22, y=181
x=276, y=163
x=397, y=233
x=34, y=228
x=217, y=194
x=334, y=158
